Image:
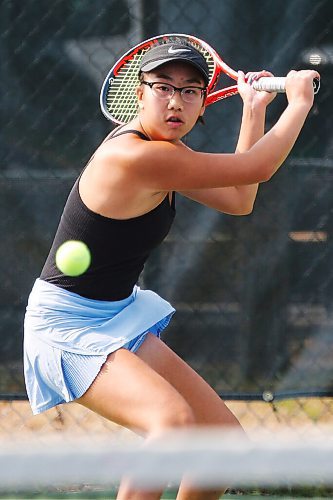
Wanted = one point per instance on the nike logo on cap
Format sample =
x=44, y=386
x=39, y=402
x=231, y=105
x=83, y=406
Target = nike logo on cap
x=175, y=51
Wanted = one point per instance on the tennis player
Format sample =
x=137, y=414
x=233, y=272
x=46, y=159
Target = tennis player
x=95, y=338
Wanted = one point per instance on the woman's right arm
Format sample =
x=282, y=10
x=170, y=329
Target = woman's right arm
x=165, y=166
x=279, y=141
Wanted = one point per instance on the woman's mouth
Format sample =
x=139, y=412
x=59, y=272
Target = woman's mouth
x=174, y=121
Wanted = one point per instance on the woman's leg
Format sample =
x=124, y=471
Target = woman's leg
x=151, y=392
x=207, y=406
x=129, y=392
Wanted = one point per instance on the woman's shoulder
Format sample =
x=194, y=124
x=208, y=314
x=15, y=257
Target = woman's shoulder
x=121, y=141
x=128, y=159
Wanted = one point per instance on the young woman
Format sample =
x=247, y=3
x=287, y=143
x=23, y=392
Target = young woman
x=95, y=338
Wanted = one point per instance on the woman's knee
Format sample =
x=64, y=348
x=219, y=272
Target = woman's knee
x=173, y=416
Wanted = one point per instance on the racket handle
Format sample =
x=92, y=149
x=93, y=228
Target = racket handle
x=278, y=84
x=270, y=84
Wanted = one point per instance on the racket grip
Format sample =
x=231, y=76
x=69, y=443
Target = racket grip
x=270, y=84
x=278, y=84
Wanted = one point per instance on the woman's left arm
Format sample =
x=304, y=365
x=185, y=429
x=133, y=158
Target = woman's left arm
x=252, y=125
x=239, y=200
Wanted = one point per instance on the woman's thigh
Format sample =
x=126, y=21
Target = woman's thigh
x=131, y=393
x=207, y=406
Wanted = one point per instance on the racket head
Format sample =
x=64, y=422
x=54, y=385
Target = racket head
x=118, y=98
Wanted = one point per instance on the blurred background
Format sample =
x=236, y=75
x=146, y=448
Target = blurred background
x=253, y=294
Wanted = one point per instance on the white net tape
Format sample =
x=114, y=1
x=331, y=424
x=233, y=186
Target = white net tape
x=207, y=459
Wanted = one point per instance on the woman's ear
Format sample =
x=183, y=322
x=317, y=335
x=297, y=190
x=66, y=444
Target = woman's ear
x=200, y=117
x=139, y=94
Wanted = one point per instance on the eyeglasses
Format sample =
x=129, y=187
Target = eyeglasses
x=166, y=91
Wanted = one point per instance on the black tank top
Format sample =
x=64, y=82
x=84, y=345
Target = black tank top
x=119, y=248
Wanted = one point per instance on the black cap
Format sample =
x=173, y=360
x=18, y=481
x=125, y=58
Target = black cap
x=168, y=52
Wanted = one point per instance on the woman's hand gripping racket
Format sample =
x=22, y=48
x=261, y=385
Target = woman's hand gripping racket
x=118, y=97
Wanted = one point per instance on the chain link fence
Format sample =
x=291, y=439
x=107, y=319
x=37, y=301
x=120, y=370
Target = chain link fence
x=253, y=294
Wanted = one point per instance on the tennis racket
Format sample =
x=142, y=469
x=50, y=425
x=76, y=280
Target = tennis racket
x=118, y=97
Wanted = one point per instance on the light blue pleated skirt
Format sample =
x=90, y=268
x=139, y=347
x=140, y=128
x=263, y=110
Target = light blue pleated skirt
x=67, y=338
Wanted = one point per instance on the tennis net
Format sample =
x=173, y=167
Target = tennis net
x=208, y=459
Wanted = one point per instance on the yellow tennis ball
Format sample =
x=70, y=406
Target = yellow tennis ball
x=73, y=258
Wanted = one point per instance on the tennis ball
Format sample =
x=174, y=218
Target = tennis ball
x=73, y=258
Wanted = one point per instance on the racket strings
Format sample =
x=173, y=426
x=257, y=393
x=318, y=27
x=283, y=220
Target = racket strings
x=121, y=100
